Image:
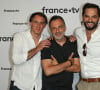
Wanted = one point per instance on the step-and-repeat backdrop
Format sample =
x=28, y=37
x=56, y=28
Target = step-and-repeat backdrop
x=14, y=16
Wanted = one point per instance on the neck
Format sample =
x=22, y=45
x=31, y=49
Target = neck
x=35, y=37
x=88, y=34
x=91, y=31
x=61, y=41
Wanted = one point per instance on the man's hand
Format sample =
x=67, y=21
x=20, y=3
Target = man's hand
x=71, y=58
x=54, y=61
x=72, y=38
x=50, y=38
x=39, y=47
x=43, y=44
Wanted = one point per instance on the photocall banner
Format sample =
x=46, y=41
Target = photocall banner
x=14, y=15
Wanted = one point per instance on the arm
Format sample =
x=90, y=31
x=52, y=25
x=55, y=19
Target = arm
x=74, y=63
x=74, y=58
x=75, y=67
x=19, y=55
x=50, y=68
x=39, y=47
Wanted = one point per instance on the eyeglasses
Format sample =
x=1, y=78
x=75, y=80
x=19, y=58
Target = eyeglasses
x=59, y=27
x=36, y=22
x=84, y=49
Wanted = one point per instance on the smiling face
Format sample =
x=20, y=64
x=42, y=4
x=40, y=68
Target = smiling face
x=57, y=28
x=37, y=24
x=91, y=18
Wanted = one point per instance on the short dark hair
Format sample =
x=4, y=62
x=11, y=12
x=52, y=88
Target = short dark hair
x=40, y=14
x=54, y=18
x=91, y=5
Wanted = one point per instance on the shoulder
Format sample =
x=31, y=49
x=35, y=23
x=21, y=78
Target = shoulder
x=79, y=30
x=98, y=28
x=20, y=34
x=17, y=34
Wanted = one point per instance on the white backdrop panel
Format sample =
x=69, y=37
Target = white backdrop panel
x=14, y=16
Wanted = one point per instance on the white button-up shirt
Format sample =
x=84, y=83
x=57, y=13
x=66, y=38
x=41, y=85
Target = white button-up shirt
x=26, y=74
x=90, y=64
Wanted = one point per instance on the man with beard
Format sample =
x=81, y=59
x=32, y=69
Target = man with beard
x=88, y=40
x=60, y=60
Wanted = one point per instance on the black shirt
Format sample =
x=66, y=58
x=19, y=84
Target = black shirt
x=61, y=53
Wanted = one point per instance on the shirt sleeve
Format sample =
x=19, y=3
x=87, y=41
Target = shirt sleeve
x=76, y=55
x=45, y=54
x=19, y=55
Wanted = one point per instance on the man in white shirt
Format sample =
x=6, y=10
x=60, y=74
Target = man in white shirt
x=26, y=48
x=88, y=40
